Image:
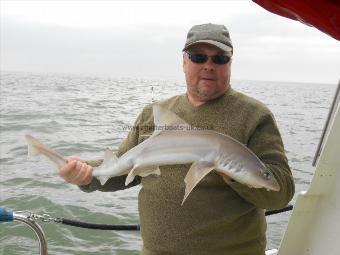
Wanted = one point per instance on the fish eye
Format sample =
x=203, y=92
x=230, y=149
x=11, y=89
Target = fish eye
x=266, y=175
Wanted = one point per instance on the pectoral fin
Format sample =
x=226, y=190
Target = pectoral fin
x=195, y=174
x=141, y=171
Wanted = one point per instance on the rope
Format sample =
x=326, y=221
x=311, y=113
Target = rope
x=8, y=216
x=136, y=227
x=80, y=224
x=288, y=208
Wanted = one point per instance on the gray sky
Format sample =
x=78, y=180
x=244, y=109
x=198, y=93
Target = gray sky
x=145, y=38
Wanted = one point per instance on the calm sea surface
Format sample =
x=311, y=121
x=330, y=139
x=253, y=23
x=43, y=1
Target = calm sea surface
x=83, y=116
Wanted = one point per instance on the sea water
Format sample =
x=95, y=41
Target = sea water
x=78, y=115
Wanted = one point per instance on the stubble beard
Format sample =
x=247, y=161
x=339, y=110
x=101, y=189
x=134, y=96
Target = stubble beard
x=203, y=95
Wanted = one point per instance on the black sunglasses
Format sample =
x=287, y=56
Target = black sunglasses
x=202, y=58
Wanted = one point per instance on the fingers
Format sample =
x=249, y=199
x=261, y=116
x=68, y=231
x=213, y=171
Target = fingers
x=73, y=158
x=84, y=175
x=66, y=170
x=76, y=172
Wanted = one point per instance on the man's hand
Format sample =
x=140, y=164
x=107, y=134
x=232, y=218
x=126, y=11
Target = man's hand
x=76, y=171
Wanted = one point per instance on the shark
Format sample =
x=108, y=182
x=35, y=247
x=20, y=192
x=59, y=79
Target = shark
x=174, y=141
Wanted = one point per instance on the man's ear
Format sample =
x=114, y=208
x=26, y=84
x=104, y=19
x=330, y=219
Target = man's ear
x=184, y=63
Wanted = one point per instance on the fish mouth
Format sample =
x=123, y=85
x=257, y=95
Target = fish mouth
x=274, y=186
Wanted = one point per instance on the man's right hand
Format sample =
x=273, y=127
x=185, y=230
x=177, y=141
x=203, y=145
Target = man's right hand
x=76, y=171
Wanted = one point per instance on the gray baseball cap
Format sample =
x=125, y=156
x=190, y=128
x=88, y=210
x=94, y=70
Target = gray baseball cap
x=217, y=35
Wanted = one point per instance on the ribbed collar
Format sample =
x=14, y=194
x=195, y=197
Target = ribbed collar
x=211, y=103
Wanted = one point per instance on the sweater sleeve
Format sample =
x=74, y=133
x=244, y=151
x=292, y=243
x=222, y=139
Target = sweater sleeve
x=118, y=182
x=267, y=144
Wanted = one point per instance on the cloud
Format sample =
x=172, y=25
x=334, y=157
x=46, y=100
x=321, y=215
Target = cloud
x=132, y=51
x=267, y=47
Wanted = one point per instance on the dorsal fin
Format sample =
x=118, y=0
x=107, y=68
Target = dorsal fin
x=164, y=118
x=110, y=158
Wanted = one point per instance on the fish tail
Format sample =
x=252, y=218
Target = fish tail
x=35, y=148
x=32, y=145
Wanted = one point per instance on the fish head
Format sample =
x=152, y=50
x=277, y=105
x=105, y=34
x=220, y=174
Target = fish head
x=266, y=179
x=253, y=175
x=258, y=178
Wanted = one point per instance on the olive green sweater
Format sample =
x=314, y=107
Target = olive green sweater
x=217, y=218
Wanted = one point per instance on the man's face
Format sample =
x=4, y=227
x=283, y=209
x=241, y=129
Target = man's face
x=208, y=80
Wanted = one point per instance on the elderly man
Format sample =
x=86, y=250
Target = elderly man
x=220, y=216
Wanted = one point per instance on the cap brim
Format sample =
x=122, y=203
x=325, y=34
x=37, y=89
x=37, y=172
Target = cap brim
x=214, y=43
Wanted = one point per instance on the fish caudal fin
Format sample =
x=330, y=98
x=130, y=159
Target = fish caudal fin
x=142, y=172
x=196, y=173
x=32, y=145
x=35, y=148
